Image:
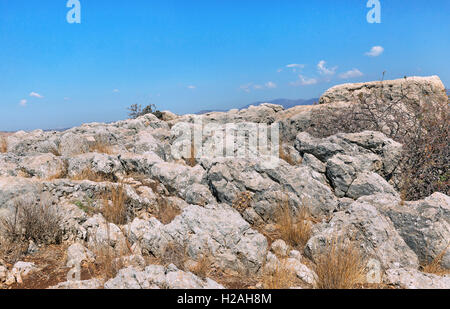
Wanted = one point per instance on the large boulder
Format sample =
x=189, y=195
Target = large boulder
x=217, y=230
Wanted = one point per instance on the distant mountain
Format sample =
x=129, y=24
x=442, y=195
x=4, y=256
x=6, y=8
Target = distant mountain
x=286, y=103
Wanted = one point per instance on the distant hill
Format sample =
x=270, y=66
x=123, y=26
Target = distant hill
x=286, y=103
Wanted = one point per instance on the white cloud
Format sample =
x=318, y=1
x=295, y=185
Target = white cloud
x=257, y=87
x=191, y=87
x=304, y=81
x=116, y=90
x=36, y=95
x=351, y=74
x=23, y=102
x=279, y=70
x=375, y=51
x=271, y=85
x=246, y=87
x=66, y=98
x=324, y=70
x=295, y=66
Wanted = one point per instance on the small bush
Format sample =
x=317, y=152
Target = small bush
x=31, y=221
x=341, y=266
x=243, y=201
x=421, y=127
x=136, y=111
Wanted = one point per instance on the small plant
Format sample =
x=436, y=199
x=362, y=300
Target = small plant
x=341, y=266
x=243, y=201
x=87, y=206
x=435, y=266
x=39, y=223
x=3, y=145
x=114, y=206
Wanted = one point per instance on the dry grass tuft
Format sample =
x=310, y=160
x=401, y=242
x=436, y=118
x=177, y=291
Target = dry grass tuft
x=286, y=156
x=295, y=230
x=114, y=205
x=101, y=146
x=435, y=266
x=3, y=145
x=89, y=174
x=166, y=210
x=203, y=266
x=280, y=278
x=174, y=253
x=108, y=262
x=341, y=266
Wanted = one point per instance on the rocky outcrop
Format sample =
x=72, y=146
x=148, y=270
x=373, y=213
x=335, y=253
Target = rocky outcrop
x=225, y=206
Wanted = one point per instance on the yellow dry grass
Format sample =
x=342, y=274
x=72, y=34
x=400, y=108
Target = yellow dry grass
x=341, y=266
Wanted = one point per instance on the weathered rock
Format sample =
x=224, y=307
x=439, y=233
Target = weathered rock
x=92, y=284
x=216, y=229
x=370, y=231
x=414, y=279
x=156, y=277
x=424, y=224
x=77, y=253
x=369, y=184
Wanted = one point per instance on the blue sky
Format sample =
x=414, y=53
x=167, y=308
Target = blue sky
x=190, y=55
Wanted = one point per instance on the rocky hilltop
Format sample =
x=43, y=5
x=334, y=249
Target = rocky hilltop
x=120, y=206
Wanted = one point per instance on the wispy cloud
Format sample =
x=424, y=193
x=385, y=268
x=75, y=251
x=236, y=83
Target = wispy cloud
x=248, y=87
x=23, y=102
x=36, y=95
x=304, y=81
x=351, y=74
x=375, y=51
x=321, y=66
x=116, y=90
x=192, y=87
x=295, y=66
x=271, y=85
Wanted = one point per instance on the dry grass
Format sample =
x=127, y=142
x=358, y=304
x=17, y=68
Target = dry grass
x=295, y=230
x=243, y=201
x=101, y=146
x=12, y=252
x=202, y=267
x=61, y=173
x=435, y=266
x=108, y=262
x=114, y=207
x=39, y=223
x=286, y=156
x=341, y=266
x=3, y=145
x=166, y=210
x=89, y=174
x=174, y=253
x=280, y=278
